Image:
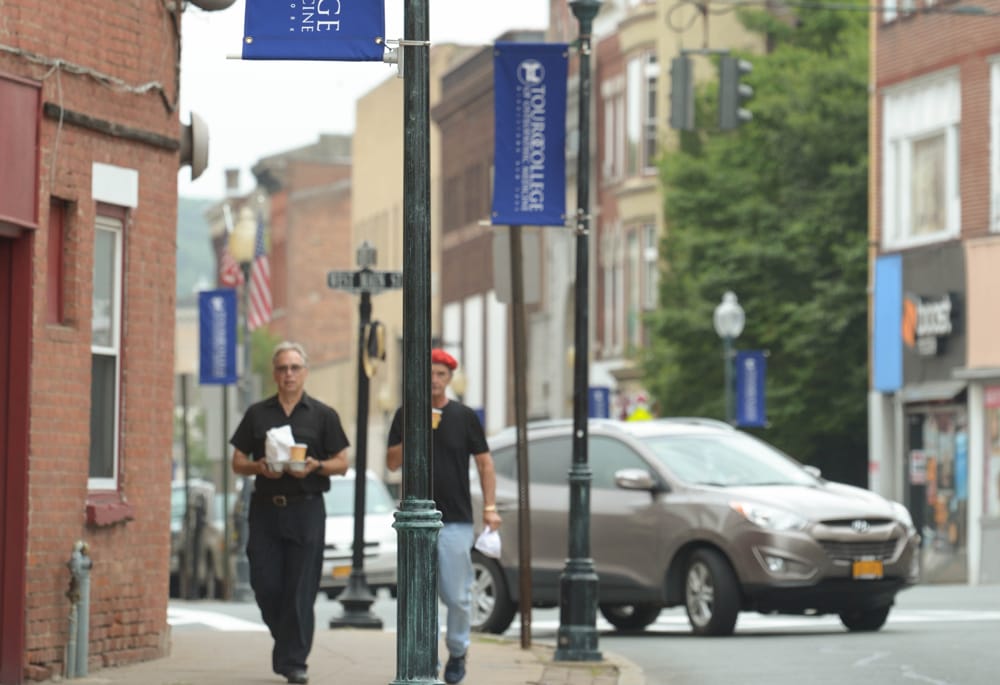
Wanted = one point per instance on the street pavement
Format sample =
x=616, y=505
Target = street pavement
x=353, y=656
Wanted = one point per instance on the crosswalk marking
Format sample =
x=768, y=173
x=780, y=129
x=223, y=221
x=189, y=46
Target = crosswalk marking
x=671, y=620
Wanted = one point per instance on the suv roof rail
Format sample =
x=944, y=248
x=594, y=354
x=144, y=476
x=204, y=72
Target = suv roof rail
x=697, y=421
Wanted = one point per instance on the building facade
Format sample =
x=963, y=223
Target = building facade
x=90, y=143
x=935, y=395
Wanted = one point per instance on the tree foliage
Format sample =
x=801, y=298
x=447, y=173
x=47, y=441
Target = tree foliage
x=776, y=211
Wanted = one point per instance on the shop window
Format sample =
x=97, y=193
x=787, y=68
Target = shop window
x=921, y=162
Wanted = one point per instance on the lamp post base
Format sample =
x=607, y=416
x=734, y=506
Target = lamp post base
x=576, y=639
x=357, y=600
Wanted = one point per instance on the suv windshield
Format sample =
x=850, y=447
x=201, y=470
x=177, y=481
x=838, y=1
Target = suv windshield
x=725, y=459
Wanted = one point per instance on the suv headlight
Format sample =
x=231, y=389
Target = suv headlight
x=771, y=518
x=903, y=514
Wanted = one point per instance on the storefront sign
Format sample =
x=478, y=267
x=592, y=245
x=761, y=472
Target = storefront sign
x=927, y=323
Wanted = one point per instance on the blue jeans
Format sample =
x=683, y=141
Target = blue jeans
x=455, y=542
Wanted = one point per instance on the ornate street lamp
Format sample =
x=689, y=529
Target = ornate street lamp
x=241, y=248
x=728, y=319
x=576, y=639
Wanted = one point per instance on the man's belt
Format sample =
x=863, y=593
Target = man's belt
x=282, y=500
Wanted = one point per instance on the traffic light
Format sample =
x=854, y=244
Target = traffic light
x=733, y=93
x=681, y=94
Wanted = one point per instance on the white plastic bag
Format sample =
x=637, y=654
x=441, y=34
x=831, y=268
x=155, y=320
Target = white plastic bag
x=278, y=444
x=488, y=543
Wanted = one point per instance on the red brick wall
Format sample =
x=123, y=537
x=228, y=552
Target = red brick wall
x=124, y=45
x=923, y=44
x=317, y=238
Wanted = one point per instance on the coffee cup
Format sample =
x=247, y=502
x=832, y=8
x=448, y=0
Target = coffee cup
x=298, y=452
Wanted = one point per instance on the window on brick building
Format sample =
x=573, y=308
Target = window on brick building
x=995, y=146
x=105, y=353
x=651, y=266
x=642, y=74
x=920, y=189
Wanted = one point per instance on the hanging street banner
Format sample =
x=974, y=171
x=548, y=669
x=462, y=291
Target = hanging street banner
x=217, y=336
x=751, y=371
x=336, y=30
x=529, y=98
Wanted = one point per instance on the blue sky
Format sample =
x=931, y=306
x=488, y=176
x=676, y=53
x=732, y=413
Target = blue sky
x=254, y=109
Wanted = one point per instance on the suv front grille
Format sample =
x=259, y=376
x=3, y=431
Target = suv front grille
x=874, y=549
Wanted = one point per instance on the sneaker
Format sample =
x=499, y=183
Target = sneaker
x=297, y=675
x=454, y=670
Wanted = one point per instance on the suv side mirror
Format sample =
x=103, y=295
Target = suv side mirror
x=636, y=479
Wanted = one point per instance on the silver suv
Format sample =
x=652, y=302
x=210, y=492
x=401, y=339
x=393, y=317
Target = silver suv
x=693, y=512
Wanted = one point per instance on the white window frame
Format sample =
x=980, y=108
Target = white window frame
x=651, y=266
x=614, y=128
x=916, y=110
x=641, y=83
x=115, y=228
x=633, y=259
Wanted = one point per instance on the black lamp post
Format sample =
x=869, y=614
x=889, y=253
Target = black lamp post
x=577, y=635
x=241, y=247
x=728, y=320
x=418, y=520
x=357, y=597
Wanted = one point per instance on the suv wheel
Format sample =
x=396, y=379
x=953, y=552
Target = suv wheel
x=627, y=617
x=711, y=594
x=492, y=608
x=858, y=620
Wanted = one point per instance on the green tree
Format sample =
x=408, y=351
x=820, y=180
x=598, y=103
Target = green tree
x=776, y=211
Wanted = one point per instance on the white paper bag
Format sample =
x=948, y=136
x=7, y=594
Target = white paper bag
x=488, y=543
x=278, y=444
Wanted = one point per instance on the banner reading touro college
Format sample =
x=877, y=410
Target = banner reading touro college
x=217, y=336
x=529, y=94
x=337, y=30
x=751, y=370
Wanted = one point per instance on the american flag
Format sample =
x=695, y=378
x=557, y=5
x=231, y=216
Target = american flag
x=260, y=283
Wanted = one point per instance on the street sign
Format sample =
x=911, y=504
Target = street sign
x=364, y=281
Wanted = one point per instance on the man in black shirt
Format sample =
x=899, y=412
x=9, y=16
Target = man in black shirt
x=457, y=435
x=287, y=517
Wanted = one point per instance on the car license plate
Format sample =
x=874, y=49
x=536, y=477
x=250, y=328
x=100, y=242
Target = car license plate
x=867, y=569
x=340, y=571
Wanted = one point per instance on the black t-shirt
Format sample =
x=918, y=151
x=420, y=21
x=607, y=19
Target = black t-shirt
x=313, y=423
x=458, y=436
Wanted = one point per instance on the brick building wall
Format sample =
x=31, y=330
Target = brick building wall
x=108, y=72
x=914, y=45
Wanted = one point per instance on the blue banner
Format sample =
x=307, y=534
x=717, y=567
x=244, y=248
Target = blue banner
x=599, y=402
x=529, y=98
x=217, y=336
x=344, y=30
x=751, y=372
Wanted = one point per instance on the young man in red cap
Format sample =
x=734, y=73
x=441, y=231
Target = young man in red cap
x=457, y=434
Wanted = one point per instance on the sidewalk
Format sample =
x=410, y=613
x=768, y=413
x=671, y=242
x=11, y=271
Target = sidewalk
x=353, y=657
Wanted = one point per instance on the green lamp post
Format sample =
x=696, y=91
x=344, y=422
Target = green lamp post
x=418, y=520
x=577, y=636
